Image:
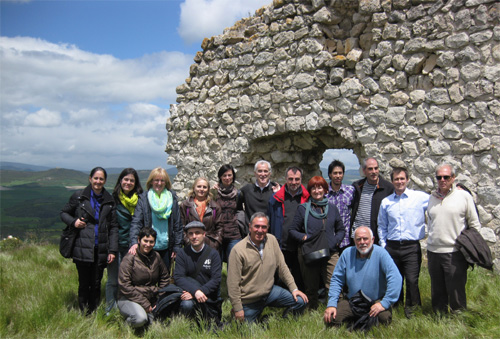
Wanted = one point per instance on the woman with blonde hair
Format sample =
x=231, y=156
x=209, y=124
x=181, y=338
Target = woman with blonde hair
x=200, y=206
x=158, y=208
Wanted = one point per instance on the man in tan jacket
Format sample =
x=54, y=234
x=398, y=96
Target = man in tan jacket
x=250, y=281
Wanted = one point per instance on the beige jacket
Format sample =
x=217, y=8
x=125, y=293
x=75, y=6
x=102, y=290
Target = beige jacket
x=251, y=277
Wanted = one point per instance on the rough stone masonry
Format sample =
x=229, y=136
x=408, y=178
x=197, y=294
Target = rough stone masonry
x=410, y=82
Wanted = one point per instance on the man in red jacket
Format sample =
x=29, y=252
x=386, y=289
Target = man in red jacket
x=281, y=210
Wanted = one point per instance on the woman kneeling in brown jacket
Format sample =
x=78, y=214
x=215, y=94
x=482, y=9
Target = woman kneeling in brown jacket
x=141, y=277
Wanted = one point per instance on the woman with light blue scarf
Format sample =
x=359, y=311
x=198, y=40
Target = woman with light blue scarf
x=158, y=208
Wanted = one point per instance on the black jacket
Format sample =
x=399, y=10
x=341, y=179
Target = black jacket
x=384, y=189
x=474, y=248
x=107, y=240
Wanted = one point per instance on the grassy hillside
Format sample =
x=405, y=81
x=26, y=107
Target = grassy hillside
x=39, y=301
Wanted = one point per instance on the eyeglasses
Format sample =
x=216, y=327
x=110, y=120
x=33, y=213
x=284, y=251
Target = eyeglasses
x=445, y=177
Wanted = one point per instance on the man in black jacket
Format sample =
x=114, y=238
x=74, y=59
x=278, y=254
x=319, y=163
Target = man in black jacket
x=198, y=273
x=368, y=194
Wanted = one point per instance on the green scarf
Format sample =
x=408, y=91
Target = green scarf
x=129, y=203
x=160, y=205
x=320, y=203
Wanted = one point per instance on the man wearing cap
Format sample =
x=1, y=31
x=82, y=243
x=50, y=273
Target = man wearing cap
x=198, y=273
x=250, y=280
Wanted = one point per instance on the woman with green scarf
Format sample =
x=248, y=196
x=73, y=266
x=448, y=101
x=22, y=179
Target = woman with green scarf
x=158, y=208
x=313, y=217
x=126, y=195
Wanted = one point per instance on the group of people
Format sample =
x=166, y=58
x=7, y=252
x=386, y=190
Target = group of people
x=358, y=242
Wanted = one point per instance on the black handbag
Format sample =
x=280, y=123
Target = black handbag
x=67, y=241
x=316, y=247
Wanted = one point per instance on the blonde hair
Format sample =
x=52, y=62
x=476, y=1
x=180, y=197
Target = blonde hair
x=191, y=191
x=158, y=172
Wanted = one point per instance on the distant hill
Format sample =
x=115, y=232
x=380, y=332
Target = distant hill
x=17, y=166
x=51, y=177
x=66, y=177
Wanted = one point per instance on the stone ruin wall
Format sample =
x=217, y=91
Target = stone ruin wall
x=412, y=83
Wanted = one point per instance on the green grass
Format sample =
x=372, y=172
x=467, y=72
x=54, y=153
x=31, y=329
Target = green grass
x=38, y=300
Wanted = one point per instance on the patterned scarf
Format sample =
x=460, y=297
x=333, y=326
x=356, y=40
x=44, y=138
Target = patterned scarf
x=129, y=203
x=227, y=193
x=161, y=205
x=320, y=203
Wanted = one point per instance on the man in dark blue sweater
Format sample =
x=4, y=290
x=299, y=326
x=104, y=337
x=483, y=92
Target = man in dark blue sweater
x=198, y=273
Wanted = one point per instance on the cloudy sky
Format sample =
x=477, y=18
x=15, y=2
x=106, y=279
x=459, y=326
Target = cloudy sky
x=87, y=83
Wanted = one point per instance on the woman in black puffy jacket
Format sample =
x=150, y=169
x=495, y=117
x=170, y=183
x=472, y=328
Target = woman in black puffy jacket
x=91, y=212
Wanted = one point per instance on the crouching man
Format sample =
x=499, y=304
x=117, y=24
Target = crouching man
x=198, y=274
x=250, y=280
x=373, y=283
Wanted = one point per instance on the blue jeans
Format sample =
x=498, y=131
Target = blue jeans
x=278, y=297
x=227, y=246
x=112, y=282
x=187, y=308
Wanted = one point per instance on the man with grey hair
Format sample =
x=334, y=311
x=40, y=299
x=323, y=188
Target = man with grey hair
x=450, y=211
x=254, y=197
x=250, y=280
x=368, y=194
x=369, y=270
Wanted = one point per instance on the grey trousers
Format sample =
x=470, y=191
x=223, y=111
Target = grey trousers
x=134, y=314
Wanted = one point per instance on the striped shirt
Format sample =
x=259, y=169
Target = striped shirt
x=365, y=207
x=343, y=199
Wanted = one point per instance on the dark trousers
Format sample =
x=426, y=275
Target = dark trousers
x=317, y=274
x=407, y=256
x=448, y=272
x=292, y=261
x=344, y=314
x=89, y=283
x=166, y=257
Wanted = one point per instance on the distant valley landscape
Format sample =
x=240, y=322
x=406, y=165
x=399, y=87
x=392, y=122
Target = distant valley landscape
x=32, y=197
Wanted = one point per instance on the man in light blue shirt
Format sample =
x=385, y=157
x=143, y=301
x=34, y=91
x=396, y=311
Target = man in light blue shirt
x=367, y=268
x=401, y=224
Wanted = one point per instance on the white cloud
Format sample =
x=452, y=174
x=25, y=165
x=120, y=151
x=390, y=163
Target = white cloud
x=61, y=106
x=348, y=157
x=43, y=118
x=205, y=18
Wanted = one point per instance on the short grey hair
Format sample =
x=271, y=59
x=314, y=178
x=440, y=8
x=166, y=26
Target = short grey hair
x=368, y=228
x=364, y=162
x=259, y=215
x=262, y=162
x=452, y=170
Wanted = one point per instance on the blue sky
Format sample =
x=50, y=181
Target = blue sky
x=87, y=83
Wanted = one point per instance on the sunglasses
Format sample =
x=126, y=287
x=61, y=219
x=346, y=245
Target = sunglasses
x=445, y=177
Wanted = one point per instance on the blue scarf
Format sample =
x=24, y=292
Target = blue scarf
x=320, y=203
x=95, y=202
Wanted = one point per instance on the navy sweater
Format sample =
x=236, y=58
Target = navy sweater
x=209, y=276
x=334, y=227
